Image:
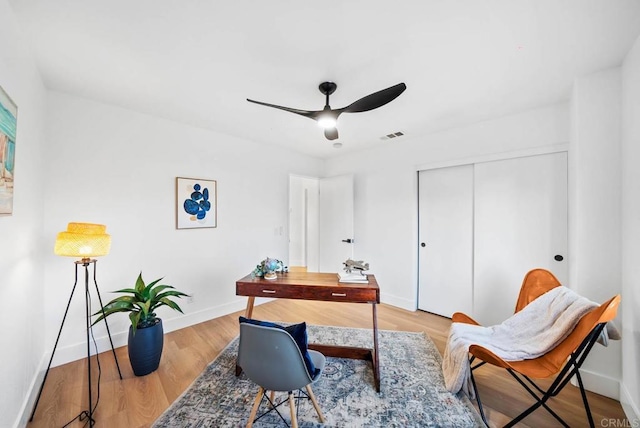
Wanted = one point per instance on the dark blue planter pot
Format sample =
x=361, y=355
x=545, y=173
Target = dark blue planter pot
x=145, y=348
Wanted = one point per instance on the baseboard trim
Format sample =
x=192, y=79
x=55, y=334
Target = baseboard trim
x=398, y=302
x=631, y=409
x=598, y=383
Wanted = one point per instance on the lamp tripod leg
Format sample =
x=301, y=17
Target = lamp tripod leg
x=35, y=406
x=88, y=312
x=105, y=321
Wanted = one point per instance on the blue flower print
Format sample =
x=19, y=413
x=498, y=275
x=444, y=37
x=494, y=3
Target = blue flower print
x=198, y=204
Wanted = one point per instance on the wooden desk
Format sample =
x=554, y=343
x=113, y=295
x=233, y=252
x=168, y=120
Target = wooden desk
x=325, y=287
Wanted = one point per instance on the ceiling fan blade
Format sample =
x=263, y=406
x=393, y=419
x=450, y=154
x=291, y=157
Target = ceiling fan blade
x=375, y=100
x=305, y=113
x=331, y=133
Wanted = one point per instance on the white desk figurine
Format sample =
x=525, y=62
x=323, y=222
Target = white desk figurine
x=355, y=265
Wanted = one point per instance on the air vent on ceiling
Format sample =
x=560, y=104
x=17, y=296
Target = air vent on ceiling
x=394, y=135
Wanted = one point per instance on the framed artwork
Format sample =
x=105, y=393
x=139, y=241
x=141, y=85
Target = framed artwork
x=196, y=203
x=8, y=122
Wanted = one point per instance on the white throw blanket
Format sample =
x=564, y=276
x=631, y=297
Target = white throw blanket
x=528, y=334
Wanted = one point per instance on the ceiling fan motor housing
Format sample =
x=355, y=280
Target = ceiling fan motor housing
x=328, y=88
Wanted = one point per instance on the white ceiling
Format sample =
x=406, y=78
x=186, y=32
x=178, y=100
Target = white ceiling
x=197, y=61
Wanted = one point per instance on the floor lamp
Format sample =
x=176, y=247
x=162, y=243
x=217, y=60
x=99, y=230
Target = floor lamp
x=83, y=240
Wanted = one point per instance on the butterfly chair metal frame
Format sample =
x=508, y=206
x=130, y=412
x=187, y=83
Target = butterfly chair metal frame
x=564, y=361
x=270, y=357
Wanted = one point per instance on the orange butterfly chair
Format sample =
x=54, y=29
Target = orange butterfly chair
x=564, y=360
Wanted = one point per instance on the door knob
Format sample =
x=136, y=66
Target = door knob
x=348, y=241
x=423, y=244
x=558, y=258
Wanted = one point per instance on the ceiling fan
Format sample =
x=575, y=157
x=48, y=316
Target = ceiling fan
x=327, y=117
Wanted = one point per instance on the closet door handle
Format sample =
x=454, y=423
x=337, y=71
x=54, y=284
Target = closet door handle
x=558, y=258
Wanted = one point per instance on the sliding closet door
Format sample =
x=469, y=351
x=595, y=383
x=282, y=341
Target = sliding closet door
x=520, y=220
x=446, y=240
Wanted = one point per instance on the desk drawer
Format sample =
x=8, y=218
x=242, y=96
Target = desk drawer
x=329, y=294
x=354, y=295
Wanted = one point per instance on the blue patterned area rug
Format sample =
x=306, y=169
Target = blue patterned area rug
x=412, y=391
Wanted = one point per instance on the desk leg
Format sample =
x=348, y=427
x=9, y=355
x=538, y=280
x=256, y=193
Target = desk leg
x=376, y=361
x=249, y=311
x=247, y=314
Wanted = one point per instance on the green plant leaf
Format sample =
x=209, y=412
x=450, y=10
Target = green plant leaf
x=123, y=299
x=157, y=290
x=116, y=305
x=135, y=319
x=174, y=293
x=126, y=290
x=140, y=284
x=147, y=290
x=109, y=311
x=171, y=304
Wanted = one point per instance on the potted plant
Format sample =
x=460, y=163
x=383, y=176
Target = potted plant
x=146, y=335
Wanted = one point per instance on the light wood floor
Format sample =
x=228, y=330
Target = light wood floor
x=138, y=401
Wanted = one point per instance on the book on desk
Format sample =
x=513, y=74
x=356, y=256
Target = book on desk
x=354, y=277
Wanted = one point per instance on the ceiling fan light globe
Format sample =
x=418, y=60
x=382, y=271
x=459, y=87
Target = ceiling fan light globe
x=326, y=122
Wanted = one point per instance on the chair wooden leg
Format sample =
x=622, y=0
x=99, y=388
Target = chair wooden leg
x=315, y=403
x=272, y=396
x=254, y=409
x=292, y=410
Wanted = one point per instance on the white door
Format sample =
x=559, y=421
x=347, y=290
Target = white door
x=520, y=222
x=336, y=222
x=446, y=240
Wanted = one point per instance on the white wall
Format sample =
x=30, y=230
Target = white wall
x=117, y=167
x=386, y=186
x=594, y=210
x=630, y=388
x=21, y=317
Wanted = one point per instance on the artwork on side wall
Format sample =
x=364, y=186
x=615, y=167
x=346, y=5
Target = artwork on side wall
x=196, y=203
x=8, y=122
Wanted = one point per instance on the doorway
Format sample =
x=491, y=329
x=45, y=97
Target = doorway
x=320, y=222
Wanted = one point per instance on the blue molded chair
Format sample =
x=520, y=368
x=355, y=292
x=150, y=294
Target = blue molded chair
x=271, y=358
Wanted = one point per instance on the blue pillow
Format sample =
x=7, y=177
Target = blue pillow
x=299, y=334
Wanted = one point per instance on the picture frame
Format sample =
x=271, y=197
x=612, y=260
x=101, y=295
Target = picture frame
x=8, y=127
x=196, y=203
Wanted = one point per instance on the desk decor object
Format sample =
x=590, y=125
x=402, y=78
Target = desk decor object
x=353, y=271
x=8, y=123
x=196, y=203
x=84, y=241
x=268, y=269
x=355, y=266
x=353, y=277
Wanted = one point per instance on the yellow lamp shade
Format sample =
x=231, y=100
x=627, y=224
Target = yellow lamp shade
x=83, y=240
